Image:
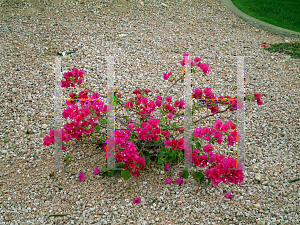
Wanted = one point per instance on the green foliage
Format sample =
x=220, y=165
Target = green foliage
x=125, y=174
x=104, y=121
x=180, y=155
x=292, y=49
x=147, y=160
x=185, y=173
x=161, y=154
x=97, y=129
x=199, y=176
x=67, y=159
x=160, y=161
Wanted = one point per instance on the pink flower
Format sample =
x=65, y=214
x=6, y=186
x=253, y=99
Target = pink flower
x=264, y=46
x=81, y=177
x=179, y=181
x=168, y=180
x=169, y=99
x=228, y=195
x=197, y=59
x=137, y=200
x=167, y=75
x=170, y=116
x=218, y=125
x=131, y=126
x=96, y=171
x=166, y=133
x=208, y=148
x=147, y=90
x=180, y=174
x=167, y=167
x=257, y=96
x=259, y=102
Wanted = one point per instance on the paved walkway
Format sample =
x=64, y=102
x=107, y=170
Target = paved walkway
x=258, y=23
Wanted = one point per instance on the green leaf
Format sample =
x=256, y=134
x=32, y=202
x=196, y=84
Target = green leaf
x=147, y=160
x=110, y=173
x=157, y=141
x=169, y=156
x=161, y=154
x=173, y=154
x=71, y=157
x=173, y=125
x=185, y=173
x=193, y=70
x=103, y=121
x=180, y=155
x=192, y=111
x=126, y=117
x=125, y=174
x=97, y=129
x=182, y=80
x=199, y=176
x=192, y=146
x=164, y=127
x=163, y=149
x=130, y=191
x=93, y=135
x=208, y=183
x=211, y=142
x=160, y=161
x=198, y=145
x=131, y=137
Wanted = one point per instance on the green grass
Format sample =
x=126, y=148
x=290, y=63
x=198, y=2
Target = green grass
x=281, y=13
x=292, y=49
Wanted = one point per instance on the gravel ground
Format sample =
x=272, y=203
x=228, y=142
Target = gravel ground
x=147, y=39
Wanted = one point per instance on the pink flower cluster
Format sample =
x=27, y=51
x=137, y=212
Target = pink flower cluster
x=98, y=107
x=70, y=76
x=171, y=109
x=128, y=155
x=211, y=97
x=175, y=144
x=217, y=133
x=220, y=172
x=257, y=98
x=219, y=168
x=179, y=181
x=203, y=66
x=150, y=130
x=50, y=139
